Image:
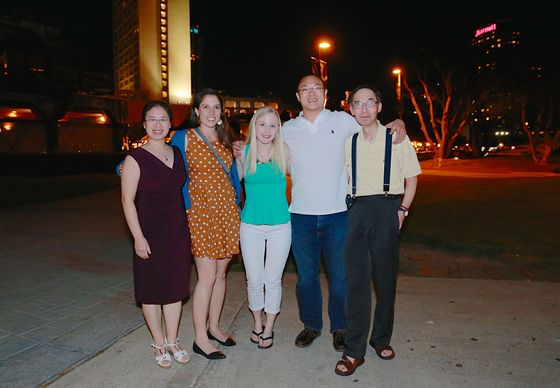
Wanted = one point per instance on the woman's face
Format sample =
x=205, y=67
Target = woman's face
x=210, y=111
x=157, y=123
x=266, y=128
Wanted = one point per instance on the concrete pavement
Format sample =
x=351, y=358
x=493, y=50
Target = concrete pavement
x=69, y=319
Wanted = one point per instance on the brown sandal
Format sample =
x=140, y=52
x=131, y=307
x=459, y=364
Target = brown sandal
x=350, y=366
x=380, y=349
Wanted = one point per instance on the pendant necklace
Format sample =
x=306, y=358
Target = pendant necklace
x=158, y=155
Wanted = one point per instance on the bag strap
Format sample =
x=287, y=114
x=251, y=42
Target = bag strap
x=354, y=139
x=387, y=170
x=226, y=169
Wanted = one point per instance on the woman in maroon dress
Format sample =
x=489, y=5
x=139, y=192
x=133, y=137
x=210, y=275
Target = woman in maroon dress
x=152, y=178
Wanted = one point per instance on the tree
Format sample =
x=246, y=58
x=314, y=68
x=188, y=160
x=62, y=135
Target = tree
x=442, y=104
x=540, y=118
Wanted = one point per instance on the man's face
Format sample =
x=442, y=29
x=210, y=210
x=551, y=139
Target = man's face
x=311, y=93
x=365, y=107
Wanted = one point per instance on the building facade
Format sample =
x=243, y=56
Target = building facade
x=152, y=49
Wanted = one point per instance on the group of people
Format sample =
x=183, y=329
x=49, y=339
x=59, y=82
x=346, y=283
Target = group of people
x=191, y=181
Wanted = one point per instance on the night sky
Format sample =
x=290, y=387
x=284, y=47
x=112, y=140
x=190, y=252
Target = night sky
x=259, y=46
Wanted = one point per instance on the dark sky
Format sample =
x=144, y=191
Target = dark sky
x=261, y=45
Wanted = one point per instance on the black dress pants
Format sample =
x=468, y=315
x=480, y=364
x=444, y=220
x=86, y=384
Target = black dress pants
x=371, y=250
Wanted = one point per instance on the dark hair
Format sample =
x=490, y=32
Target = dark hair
x=152, y=104
x=310, y=75
x=364, y=86
x=225, y=133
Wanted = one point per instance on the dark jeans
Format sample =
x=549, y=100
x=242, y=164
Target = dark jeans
x=371, y=248
x=311, y=236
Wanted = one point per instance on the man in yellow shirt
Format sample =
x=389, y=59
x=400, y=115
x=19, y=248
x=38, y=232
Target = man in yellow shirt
x=374, y=222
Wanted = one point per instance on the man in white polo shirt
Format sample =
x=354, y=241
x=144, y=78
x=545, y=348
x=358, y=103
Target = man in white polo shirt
x=316, y=140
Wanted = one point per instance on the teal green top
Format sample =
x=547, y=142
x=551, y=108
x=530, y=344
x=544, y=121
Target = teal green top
x=265, y=196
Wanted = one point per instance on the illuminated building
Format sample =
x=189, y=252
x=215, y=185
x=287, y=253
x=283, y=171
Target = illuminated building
x=496, y=45
x=152, y=49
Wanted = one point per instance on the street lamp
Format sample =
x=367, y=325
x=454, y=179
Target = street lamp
x=323, y=45
x=321, y=69
x=397, y=71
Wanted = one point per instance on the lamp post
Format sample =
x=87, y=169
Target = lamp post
x=323, y=73
x=397, y=71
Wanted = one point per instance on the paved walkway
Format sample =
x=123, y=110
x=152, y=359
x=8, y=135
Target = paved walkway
x=69, y=320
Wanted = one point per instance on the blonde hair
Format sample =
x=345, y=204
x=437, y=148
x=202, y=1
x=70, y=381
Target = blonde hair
x=277, y=157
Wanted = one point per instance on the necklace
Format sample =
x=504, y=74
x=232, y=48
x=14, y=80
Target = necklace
x=157, y=154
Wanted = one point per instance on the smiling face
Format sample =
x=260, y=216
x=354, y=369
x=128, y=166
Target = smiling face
x=157, y=123
x=266, y=128
x=311, y=93
x=209, y=111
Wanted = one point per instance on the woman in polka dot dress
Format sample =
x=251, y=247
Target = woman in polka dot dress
x=213, y=219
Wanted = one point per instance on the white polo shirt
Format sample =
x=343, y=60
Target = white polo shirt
x=319, y=180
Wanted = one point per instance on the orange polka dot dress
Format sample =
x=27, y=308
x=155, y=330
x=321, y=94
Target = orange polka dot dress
x=214, y=215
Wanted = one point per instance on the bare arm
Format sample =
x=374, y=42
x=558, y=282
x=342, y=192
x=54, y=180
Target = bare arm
x=397, y=127
x=129, y=186
x=408, y=197
x=239, y=160
x=288, y=157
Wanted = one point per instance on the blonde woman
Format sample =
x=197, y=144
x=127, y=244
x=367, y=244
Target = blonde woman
x=265, y=221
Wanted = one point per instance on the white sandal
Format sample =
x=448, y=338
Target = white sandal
x=181, y=355
x=164, y=359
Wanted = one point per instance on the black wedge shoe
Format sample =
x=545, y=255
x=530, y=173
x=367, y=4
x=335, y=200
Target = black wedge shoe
x=228, y=342
x=217, y=355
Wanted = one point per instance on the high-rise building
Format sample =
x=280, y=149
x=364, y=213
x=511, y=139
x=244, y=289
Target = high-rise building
x=496, y=45
x=152, y=49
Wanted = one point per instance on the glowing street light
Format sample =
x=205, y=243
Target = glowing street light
x=397, y=71
x=318, y=65
x=322, y=46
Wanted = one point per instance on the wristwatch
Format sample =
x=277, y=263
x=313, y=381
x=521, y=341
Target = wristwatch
x=404, y=210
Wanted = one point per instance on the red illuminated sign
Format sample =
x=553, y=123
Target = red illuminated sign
x=484, y=30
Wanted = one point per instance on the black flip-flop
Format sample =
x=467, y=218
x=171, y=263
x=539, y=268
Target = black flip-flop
x=266, y=339
x=258, y=336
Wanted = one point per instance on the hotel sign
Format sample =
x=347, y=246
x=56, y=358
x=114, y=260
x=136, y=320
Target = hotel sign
x=484, y=30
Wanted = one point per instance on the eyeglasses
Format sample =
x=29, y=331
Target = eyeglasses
x=153, y=120
x=307, y=89
x=368, y=104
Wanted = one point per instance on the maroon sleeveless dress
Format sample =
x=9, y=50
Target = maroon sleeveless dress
x=164, y=277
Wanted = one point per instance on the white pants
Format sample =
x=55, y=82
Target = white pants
x=264, y=274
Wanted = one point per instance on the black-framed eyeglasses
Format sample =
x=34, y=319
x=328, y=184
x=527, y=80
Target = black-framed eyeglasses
x=307, y=89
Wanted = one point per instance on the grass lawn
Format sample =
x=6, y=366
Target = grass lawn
x=507, y=222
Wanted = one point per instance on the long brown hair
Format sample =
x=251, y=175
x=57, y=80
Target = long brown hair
x=224, y=130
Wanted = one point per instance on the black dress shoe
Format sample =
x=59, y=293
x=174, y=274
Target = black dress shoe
x=217, y=355
x=228, y=342
x=338, y=339
x=306, y=337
